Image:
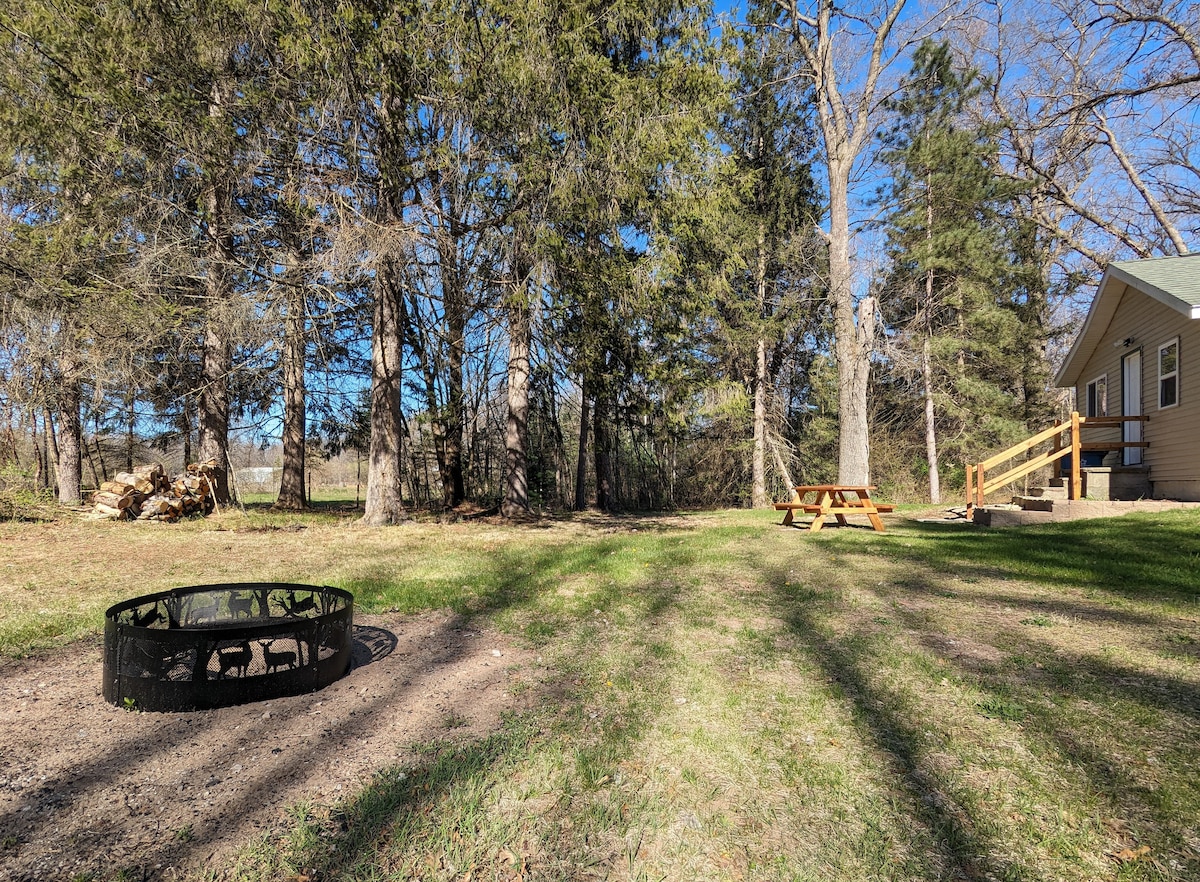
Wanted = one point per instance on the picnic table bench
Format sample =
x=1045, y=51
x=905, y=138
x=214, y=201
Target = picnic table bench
x=837, y=500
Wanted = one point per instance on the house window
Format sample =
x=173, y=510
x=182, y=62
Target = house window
x=1097, y=397
x=1168, y=374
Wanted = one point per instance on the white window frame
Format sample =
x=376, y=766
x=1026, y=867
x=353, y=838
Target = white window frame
x=1169, y=375
x=1090, y=397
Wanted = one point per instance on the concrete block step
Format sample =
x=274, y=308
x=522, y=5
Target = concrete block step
x=1051, y=492
x=1035, y=503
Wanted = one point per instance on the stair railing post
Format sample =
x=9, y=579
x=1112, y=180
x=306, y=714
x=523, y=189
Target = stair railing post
x=979, y=485
x=1076, y=481
x=970, y=498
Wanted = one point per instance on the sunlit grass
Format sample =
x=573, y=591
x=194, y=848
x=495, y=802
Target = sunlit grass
x=721, y=698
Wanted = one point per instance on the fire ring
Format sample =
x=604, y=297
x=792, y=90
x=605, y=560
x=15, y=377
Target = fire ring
x=210, y=646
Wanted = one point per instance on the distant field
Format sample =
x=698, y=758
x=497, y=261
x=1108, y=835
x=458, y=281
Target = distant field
x=726, y=699
x=320, y=496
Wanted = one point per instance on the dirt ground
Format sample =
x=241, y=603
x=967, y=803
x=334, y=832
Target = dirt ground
x=89, y=788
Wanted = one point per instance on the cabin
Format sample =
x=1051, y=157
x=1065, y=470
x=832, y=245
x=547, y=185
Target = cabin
x=1138, y=355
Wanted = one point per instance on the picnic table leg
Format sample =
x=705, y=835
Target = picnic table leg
x=817, y=522
x=871, y=512
x=839, y=499
x=787, y=517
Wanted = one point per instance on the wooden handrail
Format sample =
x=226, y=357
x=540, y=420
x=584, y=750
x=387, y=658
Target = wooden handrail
x=1018, y=449
x=1024, y=469
x=1112, y=422
x=979, y=485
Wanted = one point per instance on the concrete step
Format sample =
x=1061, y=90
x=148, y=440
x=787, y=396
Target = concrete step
x=1051, y=492
x=1037, y=503
x=1011, y=516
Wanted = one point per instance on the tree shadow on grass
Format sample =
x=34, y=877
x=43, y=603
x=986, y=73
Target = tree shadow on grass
x=1091, y=711
x=959, y=849
x=1140, y=556
x=433, y=801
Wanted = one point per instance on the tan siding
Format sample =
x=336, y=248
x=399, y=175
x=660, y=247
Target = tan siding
x=1173, y=433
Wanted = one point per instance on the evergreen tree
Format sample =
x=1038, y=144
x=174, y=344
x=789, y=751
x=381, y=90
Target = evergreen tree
x=772, y=143
x=949, y=290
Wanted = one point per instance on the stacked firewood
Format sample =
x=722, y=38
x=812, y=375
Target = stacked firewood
x=147, y=494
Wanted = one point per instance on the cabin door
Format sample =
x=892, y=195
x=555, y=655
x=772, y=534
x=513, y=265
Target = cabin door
x=1131, y=397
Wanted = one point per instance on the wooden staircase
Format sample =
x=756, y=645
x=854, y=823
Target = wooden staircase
x=1049, y=448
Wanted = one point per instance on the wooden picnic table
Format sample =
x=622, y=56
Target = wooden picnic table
x=837, y=500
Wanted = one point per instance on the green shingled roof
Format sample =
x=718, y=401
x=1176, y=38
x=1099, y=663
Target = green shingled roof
x=1175, y=278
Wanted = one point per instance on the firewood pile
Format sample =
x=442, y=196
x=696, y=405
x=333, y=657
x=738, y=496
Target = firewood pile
x=147, y=494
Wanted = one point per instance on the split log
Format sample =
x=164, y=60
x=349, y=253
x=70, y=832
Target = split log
x=112, y=500
x=155, y=505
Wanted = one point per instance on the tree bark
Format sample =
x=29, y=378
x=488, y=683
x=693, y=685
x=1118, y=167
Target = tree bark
x=217, y=358
x=931, y=450
x=606, y=496
x=52, y=452
x=845, y=124
x=454, y=488
x=291, y=486
x=853, y=341
x=69, y=466
x=581, y=497
x=384, y=503
x=516, y=436
x=931, y=447
x=758, y=493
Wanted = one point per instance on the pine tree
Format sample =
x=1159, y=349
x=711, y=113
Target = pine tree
x=772, y=142
x=948, y=291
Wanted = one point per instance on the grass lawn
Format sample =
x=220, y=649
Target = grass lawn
x=725, y=699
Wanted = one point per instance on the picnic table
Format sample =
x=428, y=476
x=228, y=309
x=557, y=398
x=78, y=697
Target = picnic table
x=837, y=500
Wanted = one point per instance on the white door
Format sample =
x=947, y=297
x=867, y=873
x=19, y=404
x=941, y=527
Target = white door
x=1131, y=396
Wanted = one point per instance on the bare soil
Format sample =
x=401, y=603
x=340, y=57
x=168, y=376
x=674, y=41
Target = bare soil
x=89, y=790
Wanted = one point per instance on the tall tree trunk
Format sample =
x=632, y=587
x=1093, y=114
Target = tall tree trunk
x=185, y=426
x=43, y=451
x=130, y=428
x=581, y=464
x=51, y=441
x=217, y=358
x=41, y=464
x=454, y=487
x=291, y=486
x=853, y=340
x=91, y=461
x=606, y=497
x=384, y=503
x=99, y=451
x=844, y=117
x=516, y=435
x=758, y=493
x=931, y=447
x=70, y=445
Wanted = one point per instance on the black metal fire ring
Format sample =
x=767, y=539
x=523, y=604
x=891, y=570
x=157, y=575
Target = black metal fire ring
x=209, y=646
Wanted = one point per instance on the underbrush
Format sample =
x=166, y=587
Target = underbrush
x=21, y=499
